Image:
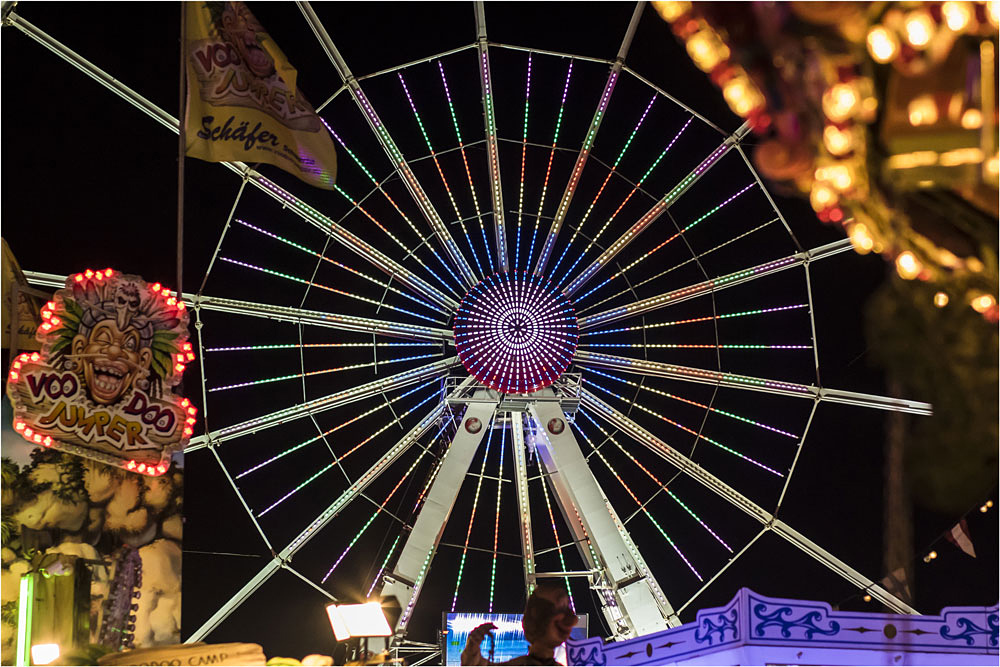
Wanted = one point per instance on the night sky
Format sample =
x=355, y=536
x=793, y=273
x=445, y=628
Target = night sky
x=89, y=181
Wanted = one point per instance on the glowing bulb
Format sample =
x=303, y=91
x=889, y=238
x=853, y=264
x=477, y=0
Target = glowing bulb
x=941, y=299
x=992, y=166
x=883, y=44
x=983, y=302
x=972, y=119
x=922, y=110
x=918, y=28
x=706, y=50
x=908, y=266
x=867, y=598
x=838, y=142
x=993, y=13
x=822, y=196
x=671, y=11
x=984, y=509
x=840, y=101
x=43, y=654
x=860, y=238
x=956, y=14
x=839, y=176
x=989, y=503
x=741, y=95
x=932, y=555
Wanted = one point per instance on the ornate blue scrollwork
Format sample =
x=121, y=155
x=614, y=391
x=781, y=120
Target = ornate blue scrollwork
x=807, y=622
x=580, y=656
x=720, y=624
x=970, y=630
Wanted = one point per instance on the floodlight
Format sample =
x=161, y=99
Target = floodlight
x=358, y=620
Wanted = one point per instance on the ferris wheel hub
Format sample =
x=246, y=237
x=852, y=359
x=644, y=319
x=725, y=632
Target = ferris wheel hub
x=515, y=332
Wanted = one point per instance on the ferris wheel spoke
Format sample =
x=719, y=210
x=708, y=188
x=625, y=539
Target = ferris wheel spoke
x=658, y=209
x=324, y=518
x=637, y=187
x=524, y=153
x=613, y=170
x=639, y=503
x=392, y=151
x=333, y=430
x=632, y=286
x=713, y=285
x=697, y=434
x=327, y=288
x=710, y=408
x=734, y=497
x=375, y=515
x=732, y=380
x=444, y=180
x=588, y=142
x=465, y=161
x=384, y=285
x=472, y=515
x=320, y=318
x=492, y=149
x=399, y=211
x=339, y=458
x=661, y=486
x=406, y=378
x=548, y=169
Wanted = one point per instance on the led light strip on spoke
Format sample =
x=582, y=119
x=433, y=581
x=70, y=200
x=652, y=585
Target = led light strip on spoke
x=304, y=346
x=524, y=153
x=324, y=434
x=492, y=150
x=472, y=516
x=635, y=188
x=548, y=169
x=707, y=318
x=655, y=479
x=638, y=502
x=336, y=369
x=708, y=286
x=496, y=513
x=657, y=210
x=374, y=515
x=310, y=283
x=388, y=198
x=385, y=286
x=731, y=415
x=600, y=191
x=444, y=181
x=559, y=548
x=698, y=436
x=338, y=459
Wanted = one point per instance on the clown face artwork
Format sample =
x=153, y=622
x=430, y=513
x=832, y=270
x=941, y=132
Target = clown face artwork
x=112, y=348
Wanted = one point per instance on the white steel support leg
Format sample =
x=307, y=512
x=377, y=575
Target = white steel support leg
x=523, y=505
x=643, y=605
x=415, y=558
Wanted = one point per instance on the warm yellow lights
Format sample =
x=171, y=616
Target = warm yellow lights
x=922, y=110
x=860, y=238
x=961, y=156
x=911, y=160
x=671, y=11
x=867, y=598
x=941, y=299
x=983, y=302
x=992, y=166
x=840, y=101
x=992, y=13
x=972, y=119
x=908, y=266
x=822, y=196
x=883, y=45
x=741, y=94
x=918, y=28
x=838, y=142
x=43, y=654
x=706, y=50
x=957, y=14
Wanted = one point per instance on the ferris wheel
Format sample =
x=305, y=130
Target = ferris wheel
x=550, y=323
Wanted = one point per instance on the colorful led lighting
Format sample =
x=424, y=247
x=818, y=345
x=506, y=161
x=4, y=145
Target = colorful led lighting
x=514, y=333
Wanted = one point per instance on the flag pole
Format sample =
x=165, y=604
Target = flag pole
x=181, y=148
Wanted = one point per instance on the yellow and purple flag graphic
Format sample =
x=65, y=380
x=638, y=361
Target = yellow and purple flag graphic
x=242, y=101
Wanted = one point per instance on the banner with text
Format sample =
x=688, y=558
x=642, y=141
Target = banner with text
x=242, y=100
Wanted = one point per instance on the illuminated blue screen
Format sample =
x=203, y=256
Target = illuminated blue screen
x=508, y=641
